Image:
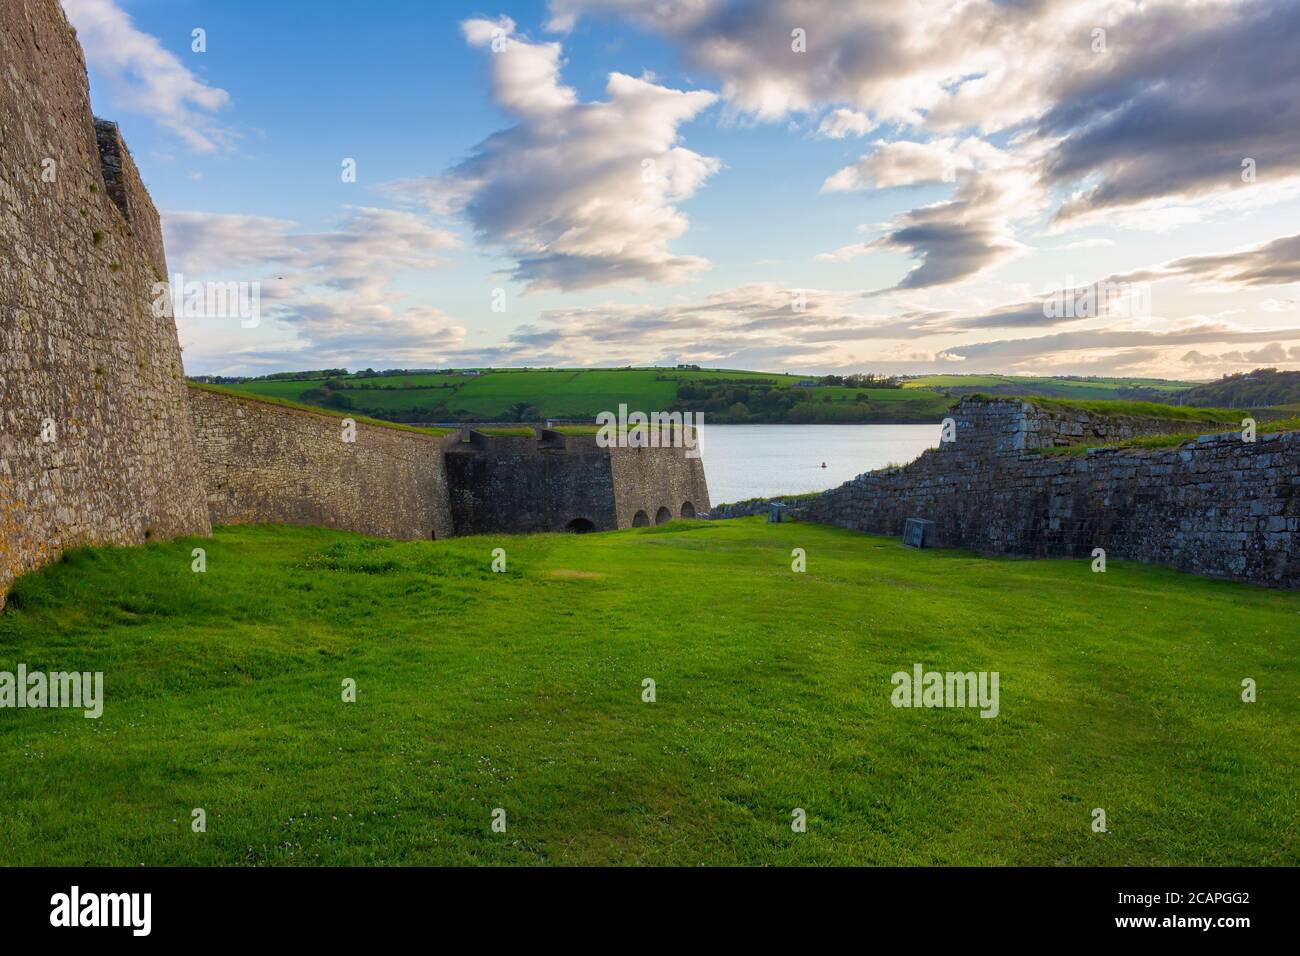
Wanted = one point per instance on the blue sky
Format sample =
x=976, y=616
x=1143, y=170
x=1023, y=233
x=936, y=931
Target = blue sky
x=899, y=195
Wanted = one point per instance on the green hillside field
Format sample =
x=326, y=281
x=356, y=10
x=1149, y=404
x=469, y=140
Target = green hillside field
x=523, y=691
x=723, y=395
x=1150, y=389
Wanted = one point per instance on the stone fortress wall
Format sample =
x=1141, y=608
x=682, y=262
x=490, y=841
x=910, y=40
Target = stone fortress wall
x=558, y=482
x=995, y=426
x=265, y=463
x=96, y=442
x=1217, y=506
x=269, y=463
x=101, y=442
x=529, y=483
x=653, y=485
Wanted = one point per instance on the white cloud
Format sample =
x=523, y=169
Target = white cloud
x=906, y=163
x=840, y=123
x=580, y=195
x=1148, y=133
x=146, y=78
x=324, y=294
x=894, y=62
x=958, y=238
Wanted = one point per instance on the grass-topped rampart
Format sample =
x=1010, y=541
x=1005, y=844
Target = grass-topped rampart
x=1117, y=408
x=314, y=409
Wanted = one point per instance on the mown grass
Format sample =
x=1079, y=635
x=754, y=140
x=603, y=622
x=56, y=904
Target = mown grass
x=523, y=690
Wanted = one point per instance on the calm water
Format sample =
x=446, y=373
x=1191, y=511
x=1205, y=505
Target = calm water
x=757, y=461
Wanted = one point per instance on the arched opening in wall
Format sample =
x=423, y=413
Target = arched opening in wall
x=662, y=515
x=640, y=520
x=433, y=535
x=581, y=526
x=688, y=510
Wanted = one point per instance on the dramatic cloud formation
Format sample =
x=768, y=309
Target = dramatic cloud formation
x=1273, y=263
x=966, y=131
x=1142, y=105
x=146, y=78
x=1183, y=95
x=957, y=238
x=330, y=292
x=892, y=60
x=579, y=194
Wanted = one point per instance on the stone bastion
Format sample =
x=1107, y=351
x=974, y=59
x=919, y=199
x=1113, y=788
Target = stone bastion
x=1218, y=505
x=265, y=462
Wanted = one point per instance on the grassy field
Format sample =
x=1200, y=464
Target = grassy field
x=569, y=393
x=583, y=393
x=1046, y=386
x=523, y=691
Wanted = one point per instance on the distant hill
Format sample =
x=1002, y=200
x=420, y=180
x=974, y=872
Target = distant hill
x=1257, y=389
x=1055, y=386
x=723, y=395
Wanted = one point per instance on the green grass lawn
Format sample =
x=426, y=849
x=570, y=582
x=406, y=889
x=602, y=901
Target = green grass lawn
x=523, y=691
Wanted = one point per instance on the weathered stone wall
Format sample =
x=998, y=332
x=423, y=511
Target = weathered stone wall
x=83, y=359
x=549, y=482
x=647, y=480
x=521, y=485
x=1006, y=426
x=1217, y=506
x=268, y=463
